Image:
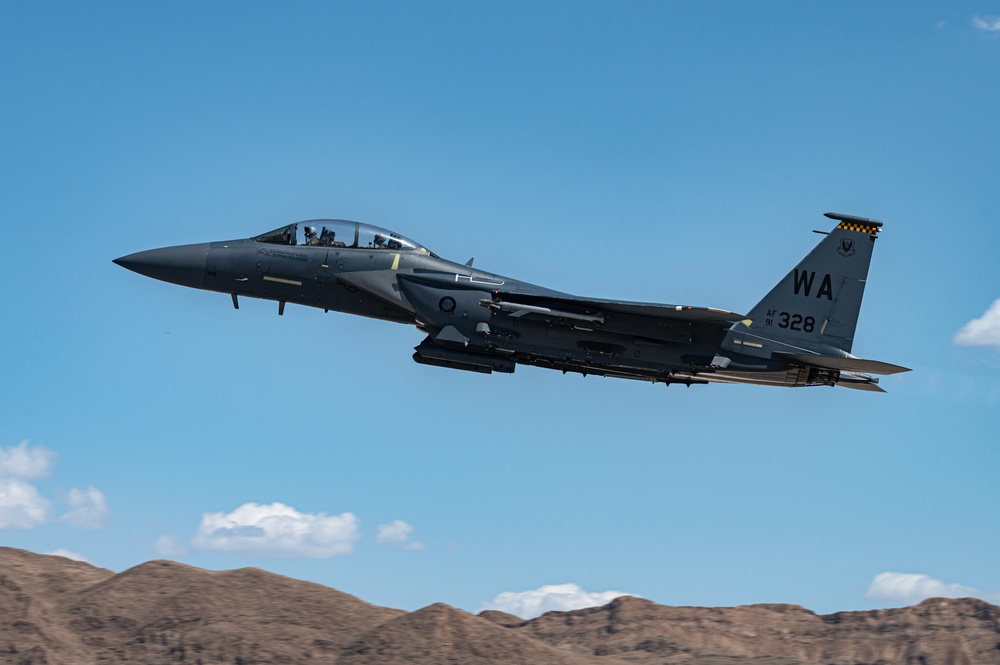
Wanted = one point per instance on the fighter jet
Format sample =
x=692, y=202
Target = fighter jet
x=800, y=334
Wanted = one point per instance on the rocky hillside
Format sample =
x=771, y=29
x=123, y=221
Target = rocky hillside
x=937, y=631
x=55, y=611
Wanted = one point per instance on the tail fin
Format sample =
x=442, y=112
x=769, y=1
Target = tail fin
x=815, y=307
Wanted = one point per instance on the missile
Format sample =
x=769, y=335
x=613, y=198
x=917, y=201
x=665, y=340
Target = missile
x=520, y=310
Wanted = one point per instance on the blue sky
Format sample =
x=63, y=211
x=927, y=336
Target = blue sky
x=653, y=151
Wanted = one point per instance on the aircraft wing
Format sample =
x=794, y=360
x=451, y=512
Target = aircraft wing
x=575, y=307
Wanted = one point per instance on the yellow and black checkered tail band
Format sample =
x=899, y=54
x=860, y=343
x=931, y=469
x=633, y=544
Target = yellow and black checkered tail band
x=860, y=228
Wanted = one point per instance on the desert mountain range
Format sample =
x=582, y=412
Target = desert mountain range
x=55, y=611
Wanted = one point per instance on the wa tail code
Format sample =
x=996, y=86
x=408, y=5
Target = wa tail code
x=804, y=281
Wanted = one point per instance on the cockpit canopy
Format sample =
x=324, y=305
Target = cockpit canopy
x=339, y=233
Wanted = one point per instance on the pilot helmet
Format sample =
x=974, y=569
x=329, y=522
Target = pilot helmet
x=310, y=231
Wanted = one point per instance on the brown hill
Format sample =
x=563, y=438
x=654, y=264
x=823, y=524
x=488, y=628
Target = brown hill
x=441, y=634
x=937, y=631
x=162, y=608
x=54, y=611
x=31, y=586
x=166, y=612
x=502, y=618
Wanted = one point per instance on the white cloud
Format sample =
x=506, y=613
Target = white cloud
x=988, y=23
x=169, y=546
x=70, y=555
x=984, y=331
x=397, y=534
x=24, y=461
x=88, y=508
x=21, y=506
x=277, y=530
x=560, y=597
x=914, y=587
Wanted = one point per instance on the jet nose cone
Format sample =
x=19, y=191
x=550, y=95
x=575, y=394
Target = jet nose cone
x=184, y=264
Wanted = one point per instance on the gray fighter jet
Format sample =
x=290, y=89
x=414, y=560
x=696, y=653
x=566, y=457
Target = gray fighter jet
x=800, y=334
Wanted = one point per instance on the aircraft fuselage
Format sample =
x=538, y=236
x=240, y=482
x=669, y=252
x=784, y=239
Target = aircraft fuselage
x=485, y=322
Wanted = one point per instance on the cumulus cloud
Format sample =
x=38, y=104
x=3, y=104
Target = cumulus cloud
x=561, y=597
x=21, y=506
x=24, y=461
x=914, y=587
x=397, y=533
x=70, y=555
x=277, y=530
x=988, y=23
x=88, y=508
x=984, y=331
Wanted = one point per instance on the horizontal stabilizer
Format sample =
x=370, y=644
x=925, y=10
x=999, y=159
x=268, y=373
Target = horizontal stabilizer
x=859, y=385
x=843, y=364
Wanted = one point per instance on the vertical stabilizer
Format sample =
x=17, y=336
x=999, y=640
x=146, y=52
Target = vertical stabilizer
x=815, y=307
